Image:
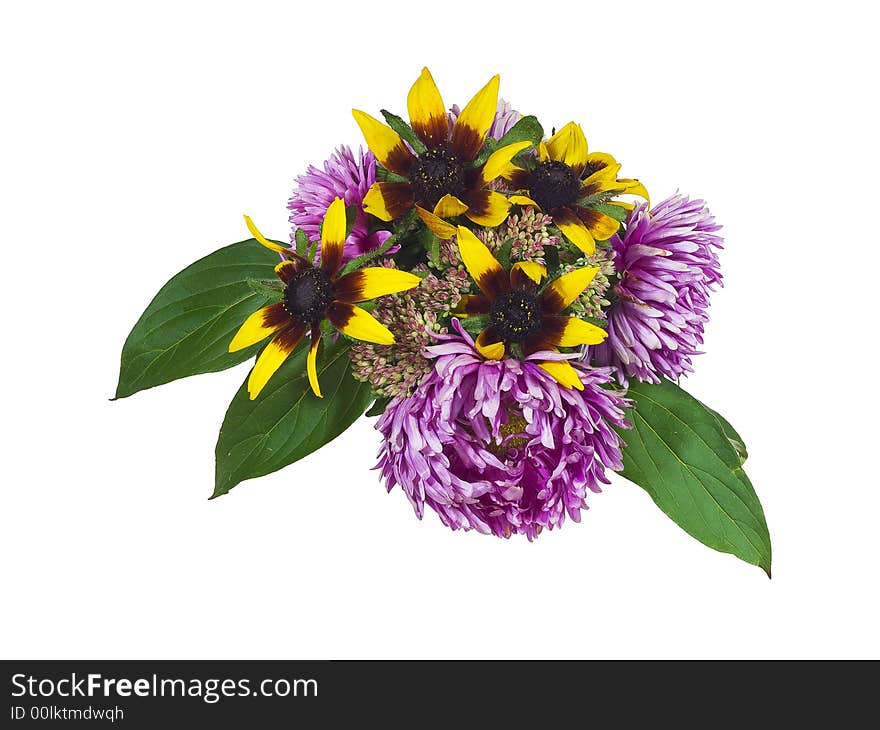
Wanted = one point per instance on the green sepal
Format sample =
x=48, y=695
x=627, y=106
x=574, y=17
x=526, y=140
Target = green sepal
x=404, y=130
x=271, y=288
x=302, y=242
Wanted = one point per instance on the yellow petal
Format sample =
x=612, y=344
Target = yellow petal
x=473, y=123
x=535, y=271
x=523, y=200
x=563, y=373
x=491, y=350
x=437, y=225
x=499, y=161
x=261, y=238
x=481, y=264
x=575, y=332
x=569, y=145
x=312, y=361
x=259, y=326
x=270, y=359
x=622, y=204
x=333, y=236
x=634, y=187
x=427, y=113
x=561, y=292
x=449, y=206
x=487, y=207
x=575, y=231
x=360, y=324
x=385, y=143
x=543, y=153
x=372, y=282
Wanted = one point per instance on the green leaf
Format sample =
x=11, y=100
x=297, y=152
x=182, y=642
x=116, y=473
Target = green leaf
x=739, y=445
x=404, y=130
x=287, y=421
x=187, y=327
x=526, y=129
x=679, y=453
x=379, y=406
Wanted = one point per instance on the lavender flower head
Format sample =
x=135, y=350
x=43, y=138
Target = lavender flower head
x=499, y=446
x=667, y=264
x=345, y=176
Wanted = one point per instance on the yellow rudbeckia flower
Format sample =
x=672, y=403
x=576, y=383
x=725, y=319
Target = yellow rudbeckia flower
x=313, y=294
x=566, y=175
x=439, y=179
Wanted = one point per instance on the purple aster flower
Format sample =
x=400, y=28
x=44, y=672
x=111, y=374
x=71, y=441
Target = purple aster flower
x=344, y=176
x=505, y=117
x=667, y=264
x=498, y=446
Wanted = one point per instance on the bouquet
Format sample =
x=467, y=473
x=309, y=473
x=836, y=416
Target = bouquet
x=513, y=309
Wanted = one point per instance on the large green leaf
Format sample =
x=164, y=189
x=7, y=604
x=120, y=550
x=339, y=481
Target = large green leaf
x=287, y=421
x=679, y=452
x=187, y=327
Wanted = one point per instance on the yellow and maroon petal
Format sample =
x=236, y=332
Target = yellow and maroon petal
x=498, y=164
x=427, y=113
x=489, y=344
x=524, y=200
x=601, y=225
x=388, y=200
x=486, y=207
x=563, y=373
x=569, y=145
x=385, y=143
x=471, y=305
x=473, y=123
x=372, y=282
x=561, y=292
x=482, y=265
x=358, y=323
x=517, y=177
x=333, y=236
x=437, y=225
x=601, y=181
x=574, y=230
x=312, y=361
x=259, y=326
x=286, y=270
x=449, y=206
x=272, y=357
x=271, y=245
x=527, y=274
x=597, y=162
x=570, y=332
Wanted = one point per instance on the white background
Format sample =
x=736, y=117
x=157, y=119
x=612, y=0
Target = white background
x=135, y=136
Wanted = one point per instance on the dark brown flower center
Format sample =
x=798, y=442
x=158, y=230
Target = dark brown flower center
x=516, y=315
x=553, y=185
x=435, y=174
x=308, y=295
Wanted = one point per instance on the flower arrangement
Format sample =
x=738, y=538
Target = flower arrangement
x=514, y=310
